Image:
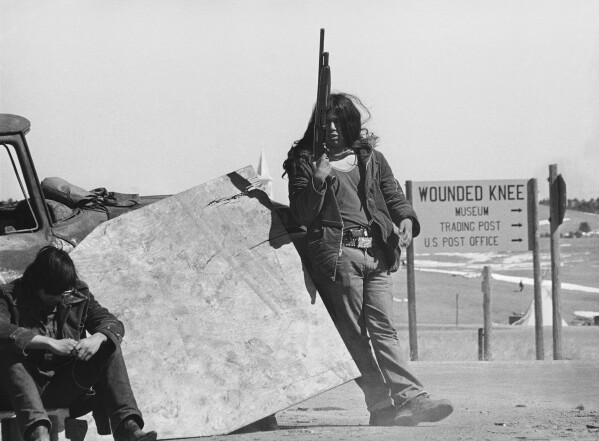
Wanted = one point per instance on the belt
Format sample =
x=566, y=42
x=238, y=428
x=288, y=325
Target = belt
x=358, y=238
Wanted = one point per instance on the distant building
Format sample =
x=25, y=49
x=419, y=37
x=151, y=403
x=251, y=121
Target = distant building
x=264, y=175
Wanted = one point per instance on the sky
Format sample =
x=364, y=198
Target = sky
x=158, y=96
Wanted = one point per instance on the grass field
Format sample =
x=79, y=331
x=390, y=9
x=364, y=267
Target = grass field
x=439, y=339
x=508, y=343
x=436, y=300
x=449, y=307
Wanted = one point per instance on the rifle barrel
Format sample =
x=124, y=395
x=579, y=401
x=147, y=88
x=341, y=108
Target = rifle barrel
x=322, y=100
x=320, y=51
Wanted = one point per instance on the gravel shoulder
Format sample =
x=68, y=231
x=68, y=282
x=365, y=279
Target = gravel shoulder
x=537, y=400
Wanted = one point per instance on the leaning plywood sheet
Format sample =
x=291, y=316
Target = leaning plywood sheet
x=220, y=331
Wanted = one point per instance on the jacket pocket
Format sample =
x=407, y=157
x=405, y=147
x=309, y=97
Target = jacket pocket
x=393, y=239
x=323, y=252
x=313, y=236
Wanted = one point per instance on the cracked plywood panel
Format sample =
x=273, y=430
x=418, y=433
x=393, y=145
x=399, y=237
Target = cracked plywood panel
x=220, y=331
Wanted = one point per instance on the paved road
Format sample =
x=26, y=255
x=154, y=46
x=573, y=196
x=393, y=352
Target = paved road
x=540, y=400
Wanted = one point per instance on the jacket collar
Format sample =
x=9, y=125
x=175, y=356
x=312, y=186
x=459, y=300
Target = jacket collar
x=364, y=147
x=73, y=297
x=24, y=297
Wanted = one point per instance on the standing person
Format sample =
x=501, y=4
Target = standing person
x=46, y=359
x=357, y=217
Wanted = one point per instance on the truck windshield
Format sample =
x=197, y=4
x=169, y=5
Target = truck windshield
x=16, y=214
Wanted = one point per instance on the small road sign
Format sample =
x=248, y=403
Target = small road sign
x=471, y=216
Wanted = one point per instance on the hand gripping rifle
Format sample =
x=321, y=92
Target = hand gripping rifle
x=322, y=101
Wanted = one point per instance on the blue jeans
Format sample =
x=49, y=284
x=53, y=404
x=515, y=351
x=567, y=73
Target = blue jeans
x=360, y=302
x=28, y=393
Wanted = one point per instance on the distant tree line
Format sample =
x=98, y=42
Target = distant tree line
x=590, y=206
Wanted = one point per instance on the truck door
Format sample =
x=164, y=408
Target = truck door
x=21, y=235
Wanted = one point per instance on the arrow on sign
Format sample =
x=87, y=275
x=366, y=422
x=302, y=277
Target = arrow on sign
x=517, y=209
x=516, y=225
x=516, y=240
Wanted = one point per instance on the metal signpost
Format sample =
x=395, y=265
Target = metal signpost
x=557, y=197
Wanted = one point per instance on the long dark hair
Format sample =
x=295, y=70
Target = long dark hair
x=345, y=108
x=52, y=270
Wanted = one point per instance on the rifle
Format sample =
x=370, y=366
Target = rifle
x=322, y=101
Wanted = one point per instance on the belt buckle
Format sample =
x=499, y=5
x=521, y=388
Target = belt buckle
x=364, y=242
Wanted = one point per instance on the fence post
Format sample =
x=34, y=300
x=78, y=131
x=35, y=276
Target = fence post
x=486, y=286
x=481, y=344
x=457, y=310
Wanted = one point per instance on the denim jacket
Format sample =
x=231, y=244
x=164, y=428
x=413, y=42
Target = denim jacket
x=386, y=205
x=78, y=312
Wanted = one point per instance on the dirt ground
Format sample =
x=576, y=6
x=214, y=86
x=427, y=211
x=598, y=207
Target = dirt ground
x=537, y=400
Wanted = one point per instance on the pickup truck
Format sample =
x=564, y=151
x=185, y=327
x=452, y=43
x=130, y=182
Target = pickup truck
x=29, y=221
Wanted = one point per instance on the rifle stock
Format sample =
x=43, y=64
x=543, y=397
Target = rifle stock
x=322, y=100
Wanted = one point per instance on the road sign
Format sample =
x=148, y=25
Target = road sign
x=471, y=216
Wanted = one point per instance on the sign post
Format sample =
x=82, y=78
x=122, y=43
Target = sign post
x=533, y=219
x=412, y=331
x=555, y=202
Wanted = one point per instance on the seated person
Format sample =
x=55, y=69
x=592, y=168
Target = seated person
x=48, y=361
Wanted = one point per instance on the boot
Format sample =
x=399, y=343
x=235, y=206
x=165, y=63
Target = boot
x=38, y=433
x=383, y=417
x=422, y=409
x=129, y=430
